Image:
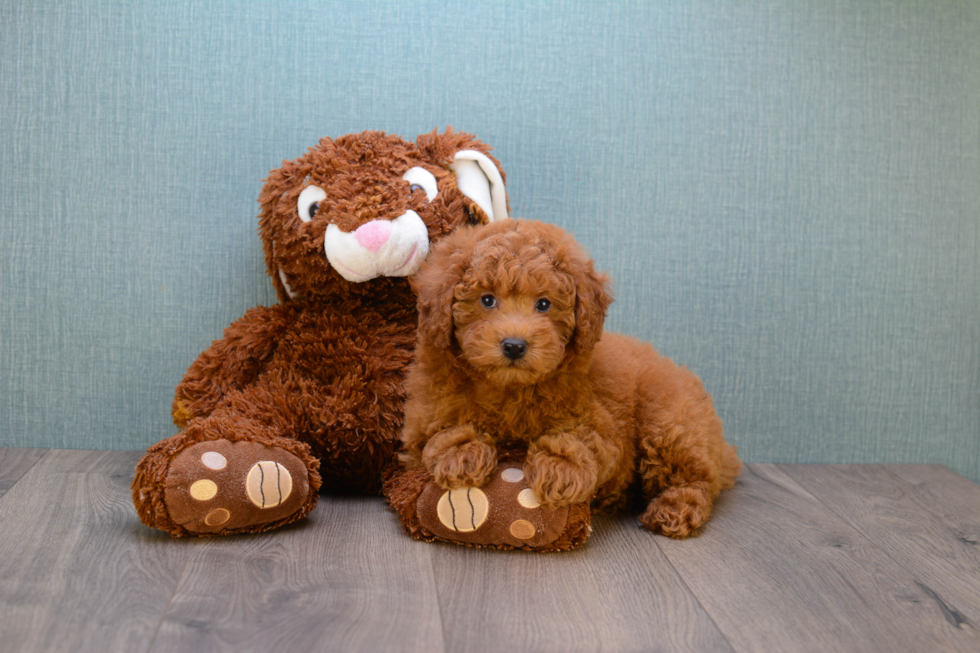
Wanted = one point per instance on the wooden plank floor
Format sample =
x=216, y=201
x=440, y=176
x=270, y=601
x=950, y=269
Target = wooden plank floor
x=796, y=558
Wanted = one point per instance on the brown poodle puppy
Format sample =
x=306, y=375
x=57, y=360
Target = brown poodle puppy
x=511, y=353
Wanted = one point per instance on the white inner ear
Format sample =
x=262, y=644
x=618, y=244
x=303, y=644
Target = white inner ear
x=425, y=179
x=285, y=284
x=310, y=196
x=478, y=179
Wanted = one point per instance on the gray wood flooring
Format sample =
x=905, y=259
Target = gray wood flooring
x=796, y=558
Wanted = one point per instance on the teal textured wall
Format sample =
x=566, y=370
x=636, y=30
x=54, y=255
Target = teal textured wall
x=787, y=193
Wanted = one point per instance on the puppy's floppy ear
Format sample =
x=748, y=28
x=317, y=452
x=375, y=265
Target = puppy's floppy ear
x=435, y=284
x=592, y=300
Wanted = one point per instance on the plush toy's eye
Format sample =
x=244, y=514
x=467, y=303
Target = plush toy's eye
x=309, y=201
x=488, y=301
x=422, y=178
x=414, y=187
x=542, y=306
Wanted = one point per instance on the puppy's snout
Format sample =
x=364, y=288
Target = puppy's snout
x=514, y=348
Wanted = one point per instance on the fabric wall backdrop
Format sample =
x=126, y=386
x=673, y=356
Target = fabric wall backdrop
x=787, y=193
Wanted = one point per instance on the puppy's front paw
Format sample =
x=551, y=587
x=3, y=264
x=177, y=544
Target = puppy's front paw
x=678, y=512
x=459, y=457
x=557, y=481
x=469, y=465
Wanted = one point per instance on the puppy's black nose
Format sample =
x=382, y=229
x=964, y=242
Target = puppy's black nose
x=514, y=348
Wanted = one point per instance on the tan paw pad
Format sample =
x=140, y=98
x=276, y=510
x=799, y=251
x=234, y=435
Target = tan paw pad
x=217, y=517
x=528, y=499
x=214, y=460
x=512, y=475
x=204, y=489
x=523, y=529
x=464, y=509
x=268, y=484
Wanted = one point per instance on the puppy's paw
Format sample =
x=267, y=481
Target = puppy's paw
x=558, y=481
x=468, y=465
x=459, y=457
x=678, y=512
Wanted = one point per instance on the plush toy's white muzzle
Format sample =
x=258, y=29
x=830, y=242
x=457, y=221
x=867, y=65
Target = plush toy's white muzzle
x=380, y=248
x=396, y=248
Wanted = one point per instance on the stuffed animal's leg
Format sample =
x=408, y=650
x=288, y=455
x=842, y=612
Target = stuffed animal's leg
x=225, y=473
x=235, y=361
x=684, y=461
x=503, y=513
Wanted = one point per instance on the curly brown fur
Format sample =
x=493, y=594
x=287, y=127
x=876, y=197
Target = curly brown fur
x=597, y=413
x=321, y=374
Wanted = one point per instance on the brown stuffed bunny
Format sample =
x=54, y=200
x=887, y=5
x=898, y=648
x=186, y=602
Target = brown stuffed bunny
x=310, y=392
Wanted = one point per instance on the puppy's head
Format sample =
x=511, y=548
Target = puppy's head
x=515, y=300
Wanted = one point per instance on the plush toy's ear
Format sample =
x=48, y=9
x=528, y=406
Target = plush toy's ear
x=477, y=178
x=279, y=181
x=435, y=284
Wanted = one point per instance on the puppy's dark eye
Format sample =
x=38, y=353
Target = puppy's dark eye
x=542, y=306
x=414, y=187
x=314, y=207
x=488, y=301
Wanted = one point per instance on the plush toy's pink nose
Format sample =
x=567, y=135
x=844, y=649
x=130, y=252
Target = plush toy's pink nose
x=373, y=235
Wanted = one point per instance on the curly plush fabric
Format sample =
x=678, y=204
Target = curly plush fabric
x=317, y=380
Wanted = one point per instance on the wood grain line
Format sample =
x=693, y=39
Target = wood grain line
x=14, y=463
x=166, y=609
x=346, y=578
x=78, y=572
x=777, y=570
x=618, y=593
x=914, y=525
x=795, y=558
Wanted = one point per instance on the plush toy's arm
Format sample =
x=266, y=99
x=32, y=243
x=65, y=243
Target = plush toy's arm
x=230, y=363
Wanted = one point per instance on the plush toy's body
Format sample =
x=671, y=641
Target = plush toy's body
x=310, y=392
x=512, y=356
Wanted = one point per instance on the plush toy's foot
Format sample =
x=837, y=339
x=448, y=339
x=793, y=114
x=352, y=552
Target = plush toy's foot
x=227, y=486
x=503, y=514
x=222, y=487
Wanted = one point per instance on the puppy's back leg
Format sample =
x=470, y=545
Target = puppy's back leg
x=683, y=459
